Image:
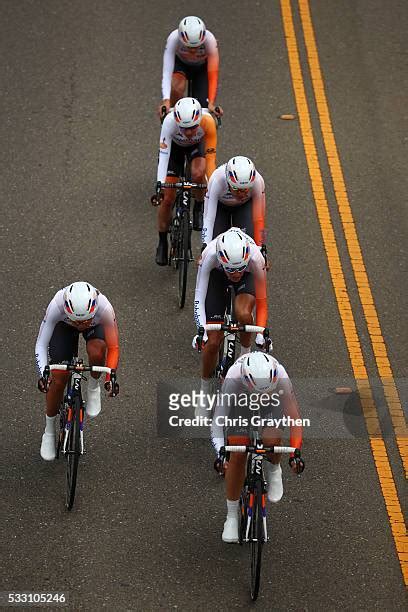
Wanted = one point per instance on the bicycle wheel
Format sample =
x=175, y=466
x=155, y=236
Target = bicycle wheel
x=243, y=505
x=73, y=453
x=174, y=240
x=60, y=438
x=256, y=540
x=183, y=257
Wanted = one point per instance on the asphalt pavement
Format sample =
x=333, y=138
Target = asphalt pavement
x=79, y=87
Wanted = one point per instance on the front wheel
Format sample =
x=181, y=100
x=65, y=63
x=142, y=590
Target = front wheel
x=183, y=257
x=73, y=452
x=256, y=537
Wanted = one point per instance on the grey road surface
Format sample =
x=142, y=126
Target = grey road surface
x=79, y=86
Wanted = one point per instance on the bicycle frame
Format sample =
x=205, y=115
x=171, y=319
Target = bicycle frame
x=71, y=435
x=73, y=391
x=253, y=501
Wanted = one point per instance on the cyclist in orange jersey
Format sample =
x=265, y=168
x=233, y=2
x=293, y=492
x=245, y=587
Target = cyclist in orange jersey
x=190, y=133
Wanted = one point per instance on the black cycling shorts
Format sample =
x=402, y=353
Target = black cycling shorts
x=234, y=216
x=216, y=300
x=64, y=341
x=199, y=78
x=178, y=154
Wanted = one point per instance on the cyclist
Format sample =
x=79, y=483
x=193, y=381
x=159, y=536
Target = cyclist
x=78, y=308
x=234, y=259
x=270, y=395
x=235, y=197
x=186, y=132
x=191, y=53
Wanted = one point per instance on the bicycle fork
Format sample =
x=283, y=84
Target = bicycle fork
x=250, y=515
x=68, y=427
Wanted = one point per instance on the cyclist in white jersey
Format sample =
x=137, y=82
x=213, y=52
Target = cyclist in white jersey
x=233, y=259
x=256, y=392
x=235, y=198
x=78, y=308
x=191, y=53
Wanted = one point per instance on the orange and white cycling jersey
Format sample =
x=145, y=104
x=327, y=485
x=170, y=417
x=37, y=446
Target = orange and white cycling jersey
x=218, y=191
x=195, y=56
x=105, y=315
x=210, y=262
x=171, y=132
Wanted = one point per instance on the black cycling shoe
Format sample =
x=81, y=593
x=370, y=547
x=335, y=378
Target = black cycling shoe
x=161, y=254
x=198, y=216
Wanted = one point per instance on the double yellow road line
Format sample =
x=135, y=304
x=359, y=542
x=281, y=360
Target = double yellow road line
x=352, y=338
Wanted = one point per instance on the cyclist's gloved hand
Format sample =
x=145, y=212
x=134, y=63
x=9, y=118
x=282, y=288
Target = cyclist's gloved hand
x=43, y=384
x=164, y=103
x=112, y=389
x=297, y=464
x=217, y=443
x=219, y=465
x=195, y=339
x=260, y=342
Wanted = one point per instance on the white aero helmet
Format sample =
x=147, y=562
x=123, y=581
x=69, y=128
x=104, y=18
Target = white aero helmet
x=192, y=31
x=187, y=112
x=259, y=372
x=240, y=172
x=233, y=250
x=80, y=301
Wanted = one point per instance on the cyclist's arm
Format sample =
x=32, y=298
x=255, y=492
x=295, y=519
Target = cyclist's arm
x=203, y=277
x=210, y=143
x=221, y=411
x=258, y=266
x=166, y=137
x=51, y=318
x=110, y=328
x=258, y=212
x=213, y=62
x=169, y=57
x=291, y=409
x=210, y=206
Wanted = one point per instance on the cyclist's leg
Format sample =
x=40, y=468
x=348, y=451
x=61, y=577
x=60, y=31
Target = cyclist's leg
x=244, y=305
x=200, y=84
x=235, y=472
x=242, y=217
x=174, y=171
x=272, y=436
x=95, y=346
x=234, y=481
x=96, y=349
x=196, y=157
x=215, y=305
x=222, y=221
x=63, y=348
x=178, y=81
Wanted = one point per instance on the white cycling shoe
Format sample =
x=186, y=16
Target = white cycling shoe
x=93, y=404
x=48, y=451
x=230, y=533
x=275, y=485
